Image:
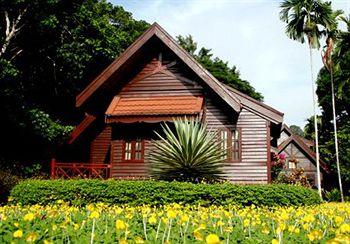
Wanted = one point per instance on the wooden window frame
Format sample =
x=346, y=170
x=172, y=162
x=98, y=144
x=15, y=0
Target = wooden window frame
x=229, y=143
x=133, y=151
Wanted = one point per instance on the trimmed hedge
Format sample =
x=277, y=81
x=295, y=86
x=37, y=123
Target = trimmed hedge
x=82, y=192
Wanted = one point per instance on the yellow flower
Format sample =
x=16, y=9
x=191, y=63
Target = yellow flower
x=47, y=242
x=139, y=240
x=291, y=229
x=94, y=215
x=122, y=241
x=152, y=220
x=344, y=228
x=305, y=226
x=228, y=229
x=28, y=217
x=315, y=235
x=265, y=231
x=338, y=220
x=75, y=226
x=212, y=239
x=184, y=218
x=274, y=241
x=284, y=215
x=18, y=234
x=309, y=218
x=120, y=224
x=246, y=222
x=197, y=235
x=31, y=237
x=171, y=214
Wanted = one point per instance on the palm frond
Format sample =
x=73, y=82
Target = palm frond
x=189, y=152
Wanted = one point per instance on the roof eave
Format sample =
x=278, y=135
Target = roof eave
x=155, y=29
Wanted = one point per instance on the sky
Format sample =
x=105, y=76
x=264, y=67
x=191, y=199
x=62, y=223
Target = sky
x=249, y=35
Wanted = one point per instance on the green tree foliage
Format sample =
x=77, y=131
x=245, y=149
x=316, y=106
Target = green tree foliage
x=296, y=130
x=217, y=67
x=58, y=48
x=341, y=71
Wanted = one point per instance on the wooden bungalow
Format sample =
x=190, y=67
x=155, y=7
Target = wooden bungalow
x=152, y=82
x=299, y=154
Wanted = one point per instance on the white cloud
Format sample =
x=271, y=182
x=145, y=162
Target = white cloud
x=248, y=34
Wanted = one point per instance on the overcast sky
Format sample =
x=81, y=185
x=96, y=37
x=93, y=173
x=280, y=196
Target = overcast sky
x=248, y=34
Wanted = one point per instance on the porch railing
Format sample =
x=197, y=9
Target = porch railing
x=73, y=170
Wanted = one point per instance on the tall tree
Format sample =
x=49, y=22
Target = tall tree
x=217, y=67
x=50, y=50
x=304, y=19
x=331, y=33
x=341, y=75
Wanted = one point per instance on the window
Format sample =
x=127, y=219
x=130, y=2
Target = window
x=291, y=165
x=230, y=142
x=133, y=150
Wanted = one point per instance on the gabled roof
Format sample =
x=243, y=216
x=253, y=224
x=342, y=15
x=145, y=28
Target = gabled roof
x=304, y=148
x=161, y=34
x=257, y=107
x=289, y=132
x=86, y=122
x=286, y=129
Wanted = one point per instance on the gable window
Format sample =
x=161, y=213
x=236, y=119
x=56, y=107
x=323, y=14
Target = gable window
x=231, y=143
x=133, y=150
x=292, y=164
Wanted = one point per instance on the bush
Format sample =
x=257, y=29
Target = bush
x=82, y=192
x=7, y=182
x=333, y=195
x=189, y=152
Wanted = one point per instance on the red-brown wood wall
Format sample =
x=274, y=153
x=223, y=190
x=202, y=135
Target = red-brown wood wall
x=251, y=169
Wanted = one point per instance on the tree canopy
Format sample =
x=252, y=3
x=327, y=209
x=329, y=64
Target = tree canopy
x=217, y=67
x=341, y=57
x=58, y=47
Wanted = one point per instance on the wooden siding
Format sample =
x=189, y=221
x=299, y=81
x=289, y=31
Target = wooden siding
x=125, y=170
x=292, y=151
x=100, y=146
x=253, y=167
x=159, y=84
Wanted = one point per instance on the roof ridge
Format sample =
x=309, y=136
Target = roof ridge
x=169, y=41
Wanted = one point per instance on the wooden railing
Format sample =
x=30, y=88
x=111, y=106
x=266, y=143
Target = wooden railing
x=79, y=170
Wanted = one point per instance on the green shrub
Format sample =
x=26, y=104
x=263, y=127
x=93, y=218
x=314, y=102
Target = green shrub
x=82, y=192
x=7, y=182
x=333, y=195
x=189, y=152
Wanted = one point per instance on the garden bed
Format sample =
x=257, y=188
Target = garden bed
x=175, y=223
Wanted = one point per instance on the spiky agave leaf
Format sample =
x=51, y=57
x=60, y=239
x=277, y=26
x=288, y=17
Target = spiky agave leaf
x=188, y=153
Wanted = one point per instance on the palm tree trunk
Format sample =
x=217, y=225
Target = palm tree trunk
x=315, y=125
x=336, y=136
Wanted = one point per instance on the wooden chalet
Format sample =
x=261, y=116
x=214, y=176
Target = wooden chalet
x=152, y=82
x=299, y=154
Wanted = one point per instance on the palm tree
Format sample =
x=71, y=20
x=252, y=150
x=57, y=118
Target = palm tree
x=187, y=153
x=332, y=33
x=306, y=20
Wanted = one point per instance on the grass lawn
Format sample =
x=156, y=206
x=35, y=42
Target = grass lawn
x=174, y=224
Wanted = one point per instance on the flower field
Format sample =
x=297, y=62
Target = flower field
x=60, y=223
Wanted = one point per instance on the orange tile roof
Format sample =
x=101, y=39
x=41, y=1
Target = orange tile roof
x=165, y=105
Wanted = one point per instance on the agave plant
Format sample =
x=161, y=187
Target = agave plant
x=189, y=152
